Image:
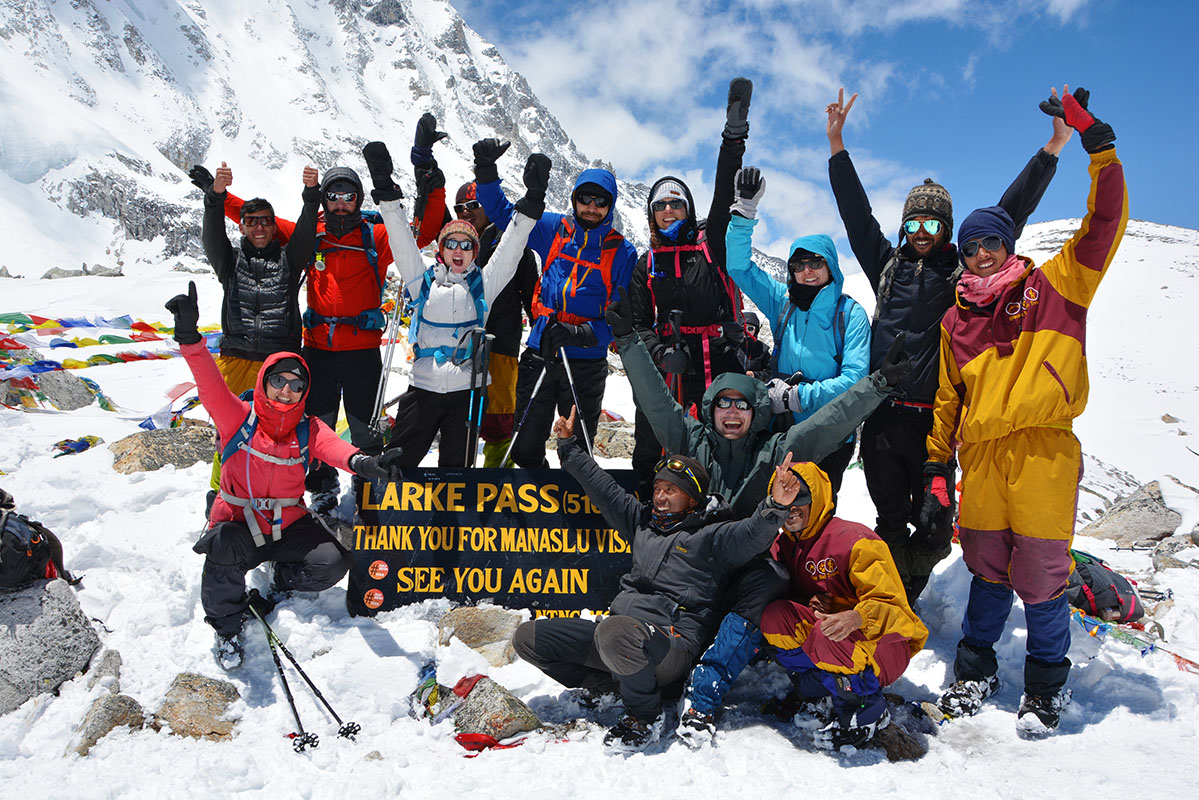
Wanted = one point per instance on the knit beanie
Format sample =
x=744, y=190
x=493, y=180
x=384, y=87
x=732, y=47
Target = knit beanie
x=459, y=226
x=287, y=364
x=929, y=200
x=989, y=221
x=669, y=190
x=682, y=479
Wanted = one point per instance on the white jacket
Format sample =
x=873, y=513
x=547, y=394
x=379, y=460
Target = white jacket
x=449, y=297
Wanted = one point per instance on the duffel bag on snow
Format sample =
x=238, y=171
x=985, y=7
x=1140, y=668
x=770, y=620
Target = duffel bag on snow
x=1102, y=592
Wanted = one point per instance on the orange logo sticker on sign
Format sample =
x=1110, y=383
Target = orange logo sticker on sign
x=378, y=570
x=373, y=598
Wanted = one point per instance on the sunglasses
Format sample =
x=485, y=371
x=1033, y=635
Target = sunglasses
x=679, y=468
x=812, y=264
x=465, y=245
x=277, y=381
x=258, y=222
x=469, y=205
x=597, y=200
x=662, y=205
x=752, y=330
x=347, y=197
x=931, y=226
x=739, y=403
x=970, y=248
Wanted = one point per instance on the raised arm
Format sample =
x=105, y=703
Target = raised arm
x=387, y=197
x=303, y=240
x=620, y=509
x=528, y=210
x=218, y=249
x=766, y=293
x=728, y=161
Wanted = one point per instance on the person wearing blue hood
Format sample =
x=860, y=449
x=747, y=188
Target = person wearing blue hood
x=583, y=261
x=821, y=336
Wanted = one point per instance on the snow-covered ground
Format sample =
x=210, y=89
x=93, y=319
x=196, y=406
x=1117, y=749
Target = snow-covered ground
x=1133, y=724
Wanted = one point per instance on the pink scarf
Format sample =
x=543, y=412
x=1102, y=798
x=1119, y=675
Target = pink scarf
x=982, y=291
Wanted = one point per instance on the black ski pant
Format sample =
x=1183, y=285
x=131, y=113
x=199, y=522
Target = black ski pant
x=894, y=449
x=554, y=397
x=589, y=654
x=307, y=559
x=421, y=415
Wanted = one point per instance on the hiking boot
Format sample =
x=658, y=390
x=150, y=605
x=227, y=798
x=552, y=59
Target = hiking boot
x=696, y=729
x=631, y=734
x=965, y=698
x=229, y=651
x=787, y=708
x=836, y=735
x=1039, y=715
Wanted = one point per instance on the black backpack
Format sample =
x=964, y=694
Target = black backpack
x=28, y=550
x=1095, y=588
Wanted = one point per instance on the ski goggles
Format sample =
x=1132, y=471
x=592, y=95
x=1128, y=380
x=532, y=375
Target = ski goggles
x=679, y=468
x=739, y=403
x=752, y=330
x=465, y=245
x=675, y=203
x=277, y=381
x=258, y=222
x=469, y=205
x=347, y=197
x=589, y=199
x=970, y=248
x=931, y=226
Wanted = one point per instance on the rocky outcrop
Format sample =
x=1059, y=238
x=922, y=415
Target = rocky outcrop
x=109, y=712
x=197, y=706
x=147, y=451
x=45, y=640
x=485, y=630
x=1142, y=517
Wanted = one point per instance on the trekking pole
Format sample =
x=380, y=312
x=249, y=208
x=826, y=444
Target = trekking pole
x=393, y=333
x=521, y=422
x=302, y=739
x=676, y=329
x=480, y=357
x=346, y=730
x=574, y=394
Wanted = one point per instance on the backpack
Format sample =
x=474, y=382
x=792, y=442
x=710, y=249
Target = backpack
x=843, y=311
x=474, y=284
x=609, y=247
x=28, y=550
x=887, y=275
x=1095, y=588
x=372, y=319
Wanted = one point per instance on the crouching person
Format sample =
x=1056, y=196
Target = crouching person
x=851, y=632
x=259, y=514
x=686, y=544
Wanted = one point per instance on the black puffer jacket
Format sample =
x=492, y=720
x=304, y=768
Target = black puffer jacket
x=914, y=293
x=678, y=577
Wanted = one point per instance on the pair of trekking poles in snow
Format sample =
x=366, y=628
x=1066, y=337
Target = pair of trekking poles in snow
x=301, y=739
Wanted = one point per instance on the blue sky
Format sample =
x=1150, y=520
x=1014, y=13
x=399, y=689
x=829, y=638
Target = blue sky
x=948, y=89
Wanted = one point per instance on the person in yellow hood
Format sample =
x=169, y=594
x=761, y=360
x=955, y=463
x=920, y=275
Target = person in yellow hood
x=850, y=632
x=1013, y=377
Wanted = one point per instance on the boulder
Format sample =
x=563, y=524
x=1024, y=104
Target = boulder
x=107, y=671
x=485, y=630
x=614, y=440
x=493, y=710
x=1141, y=517
x=146, y=451
x=1164, y=552
x=63, y=390
x=45, y=640
x=196, y=706
x=106, y=714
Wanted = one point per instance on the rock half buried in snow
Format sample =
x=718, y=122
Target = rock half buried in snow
x=45, y=639
x=196, y=706
x=1142, y=516
x=109, y=712
x=493, y=710
x=485, y=630
x=147, y=451
x=1164, y=553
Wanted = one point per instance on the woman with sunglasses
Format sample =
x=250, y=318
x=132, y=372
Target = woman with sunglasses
x=259, y=515
x=681, y=281
x=1013, y=377
x=914, y=283
x=452, y=298
x=821, y=336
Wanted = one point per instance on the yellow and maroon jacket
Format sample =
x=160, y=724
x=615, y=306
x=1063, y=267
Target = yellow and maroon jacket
x=849, y=562
x=1021, y=363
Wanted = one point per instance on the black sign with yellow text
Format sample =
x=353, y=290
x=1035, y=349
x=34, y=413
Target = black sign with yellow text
x=519, y=538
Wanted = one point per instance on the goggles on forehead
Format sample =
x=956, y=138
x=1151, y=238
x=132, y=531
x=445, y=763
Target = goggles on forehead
x=679, y=468
x=970, y=248
x=931, y=226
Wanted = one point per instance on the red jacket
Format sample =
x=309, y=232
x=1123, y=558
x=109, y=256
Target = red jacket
x=244, y=475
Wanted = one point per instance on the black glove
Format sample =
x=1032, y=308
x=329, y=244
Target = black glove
x=750, y=186
x=385, y=466
x=736, y=124
x=378, y=163
x=619, y=314
x=427, y=135
x=1096, y=136
x=186, y=309
x=674, y=360
x=559, y=334
x=936, y=512
x=896, y=363
x=429, y=177
x=537, y=180
x=487, y=151
x=201, y=177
